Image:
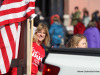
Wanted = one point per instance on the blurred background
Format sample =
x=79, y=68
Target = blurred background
x=64, y=9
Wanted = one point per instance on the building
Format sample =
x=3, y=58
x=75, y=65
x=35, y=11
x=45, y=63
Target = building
x=65, y=7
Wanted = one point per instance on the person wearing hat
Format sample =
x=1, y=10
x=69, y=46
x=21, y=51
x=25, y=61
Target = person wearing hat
x=56, y=32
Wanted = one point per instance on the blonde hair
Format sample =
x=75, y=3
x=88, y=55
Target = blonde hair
x=41, y=26
x=75, y=39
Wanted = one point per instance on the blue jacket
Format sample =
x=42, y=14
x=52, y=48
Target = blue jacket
x=93, y=37
x=55, y=30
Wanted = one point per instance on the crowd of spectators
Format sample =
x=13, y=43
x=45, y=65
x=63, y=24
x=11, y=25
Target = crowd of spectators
x=87, y=25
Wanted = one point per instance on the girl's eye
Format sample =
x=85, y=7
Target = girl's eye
x=84, y=43
x=44, y=33
x=39, y=31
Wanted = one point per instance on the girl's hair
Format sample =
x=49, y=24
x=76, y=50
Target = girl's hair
x=75, y=39
x=91, y=24
x=47, y=37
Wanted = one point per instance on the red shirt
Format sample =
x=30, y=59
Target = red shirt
x=38, y=53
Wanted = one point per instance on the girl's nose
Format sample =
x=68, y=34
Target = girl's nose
x=42, y=34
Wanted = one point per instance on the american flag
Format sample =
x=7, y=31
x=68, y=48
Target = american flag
x=12, y=12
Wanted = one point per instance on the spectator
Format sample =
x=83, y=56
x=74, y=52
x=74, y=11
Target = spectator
x=36, y=22
x=86, y=18
x=93, y=35
x=51, y=19
x=99, y=16
x=1, y=1
x=38, y=19
x=39, y=13
x=57, y=33
x=77, y=41
x=79, y=28
x=84, y=10
x=40, y=37
x=75, y=16
x=95, y=17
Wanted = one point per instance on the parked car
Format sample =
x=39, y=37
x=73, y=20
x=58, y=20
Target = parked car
x=68, y=61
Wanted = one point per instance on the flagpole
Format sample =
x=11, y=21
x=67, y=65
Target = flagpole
x=29, y=51
x=29, y=58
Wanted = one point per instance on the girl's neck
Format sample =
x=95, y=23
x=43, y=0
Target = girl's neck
x=38, y=43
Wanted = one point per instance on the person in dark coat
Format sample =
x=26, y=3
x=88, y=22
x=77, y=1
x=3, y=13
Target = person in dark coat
x=93, y=35
x=95, y=17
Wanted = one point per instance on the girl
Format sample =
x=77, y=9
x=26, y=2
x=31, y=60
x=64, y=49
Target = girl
x=77, y=41
x=41, y=36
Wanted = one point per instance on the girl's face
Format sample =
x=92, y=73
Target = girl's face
x=82, y=44
x=41, y=35
x=86, y=14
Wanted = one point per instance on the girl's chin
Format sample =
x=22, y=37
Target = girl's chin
x=40, y=40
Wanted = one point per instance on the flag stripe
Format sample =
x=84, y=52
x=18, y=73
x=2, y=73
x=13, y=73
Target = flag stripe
x=11, y=1
x=16, y=10
x=16, y=25
x=6, y=43
x=11, y=37
x=5, y=67
x=6, y=36
x=0, y=71
x=2, y=65
x=15, y=17
x=15, y=4
x=12, y=12
x=17, y=39
x=13, y=30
